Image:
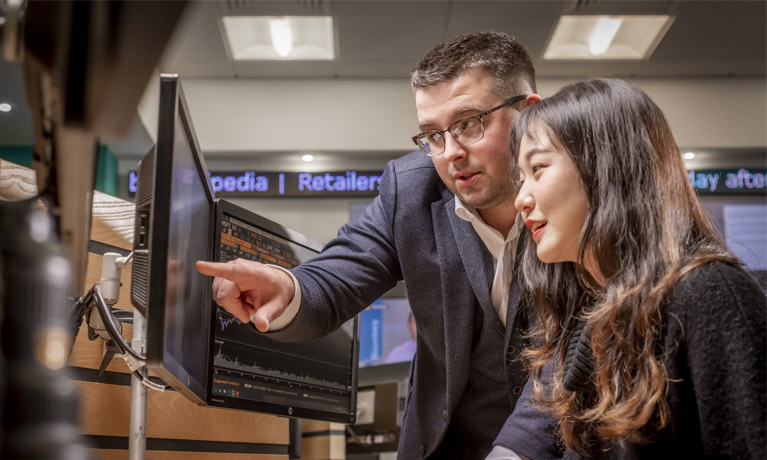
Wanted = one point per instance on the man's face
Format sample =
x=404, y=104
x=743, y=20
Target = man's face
x=480, y=173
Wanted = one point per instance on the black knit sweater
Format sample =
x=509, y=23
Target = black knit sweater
x=715, y=340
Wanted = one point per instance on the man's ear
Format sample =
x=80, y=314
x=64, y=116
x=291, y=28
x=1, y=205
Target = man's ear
x=532, y=99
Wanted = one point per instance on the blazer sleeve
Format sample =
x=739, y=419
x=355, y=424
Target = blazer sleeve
x=351, y=272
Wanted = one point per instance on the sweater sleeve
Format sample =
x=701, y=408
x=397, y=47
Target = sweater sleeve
x=723, y=323
x=529, y=431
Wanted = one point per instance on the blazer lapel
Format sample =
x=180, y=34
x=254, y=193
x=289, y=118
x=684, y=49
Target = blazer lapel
x=475, y=258
x=455, y=238
x=515, y=293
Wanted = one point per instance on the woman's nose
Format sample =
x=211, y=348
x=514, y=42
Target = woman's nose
x=524, y=201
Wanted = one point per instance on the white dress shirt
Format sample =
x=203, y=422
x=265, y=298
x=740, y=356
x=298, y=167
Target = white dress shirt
x=503, y=250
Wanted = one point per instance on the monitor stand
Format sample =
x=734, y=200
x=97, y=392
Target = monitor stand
x=138, y=396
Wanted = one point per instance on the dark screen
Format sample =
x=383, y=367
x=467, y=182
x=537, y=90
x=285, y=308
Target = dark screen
x=189, y=237
x=174, y=220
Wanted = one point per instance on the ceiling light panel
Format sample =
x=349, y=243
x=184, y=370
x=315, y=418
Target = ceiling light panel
x=279, y=38
x=602, y=37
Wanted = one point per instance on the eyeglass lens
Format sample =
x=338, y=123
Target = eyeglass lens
x=466, y=131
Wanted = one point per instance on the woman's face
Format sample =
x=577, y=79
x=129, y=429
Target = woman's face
x=552, y=199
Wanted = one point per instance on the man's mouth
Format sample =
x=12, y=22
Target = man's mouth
x=465, y=178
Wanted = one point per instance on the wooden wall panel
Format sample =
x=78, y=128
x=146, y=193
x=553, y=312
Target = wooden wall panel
x=112, y=221
x=322, y=440
x=105, y=411
x=108, y=454
x=16, y=182
x=173, y=416
x=323, y=448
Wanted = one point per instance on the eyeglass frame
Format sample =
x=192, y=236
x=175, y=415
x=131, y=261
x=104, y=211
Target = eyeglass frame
x=478, y=116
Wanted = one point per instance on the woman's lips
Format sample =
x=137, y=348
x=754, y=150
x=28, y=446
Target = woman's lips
x=535, y=226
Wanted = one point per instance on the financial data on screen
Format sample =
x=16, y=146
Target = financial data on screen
x=248, y=366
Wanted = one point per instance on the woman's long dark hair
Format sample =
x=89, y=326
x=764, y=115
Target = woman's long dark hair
x=644, y=230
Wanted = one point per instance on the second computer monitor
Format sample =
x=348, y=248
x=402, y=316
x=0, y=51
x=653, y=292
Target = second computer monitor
x=316, y=379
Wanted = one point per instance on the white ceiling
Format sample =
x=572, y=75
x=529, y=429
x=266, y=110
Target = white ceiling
x=385, y=38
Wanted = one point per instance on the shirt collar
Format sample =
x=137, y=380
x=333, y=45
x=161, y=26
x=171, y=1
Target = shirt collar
x=465, y=212
x=470, y=214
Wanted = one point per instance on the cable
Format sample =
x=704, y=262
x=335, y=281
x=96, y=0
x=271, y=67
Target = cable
x=150, y=384
x=108, y=318
x=122, y=262
x=78, y=311
x=122, y=316
x=109, y=322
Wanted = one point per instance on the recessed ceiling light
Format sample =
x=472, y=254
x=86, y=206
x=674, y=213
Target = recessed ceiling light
x=688, y=155
x=308, y=157
x=5, y=107
x=606, y=37
x=280, y=38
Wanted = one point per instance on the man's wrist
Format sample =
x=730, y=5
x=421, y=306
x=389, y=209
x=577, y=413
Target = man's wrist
x=292, y=309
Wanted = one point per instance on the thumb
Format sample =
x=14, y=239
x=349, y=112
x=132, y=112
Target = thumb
x=267, y=313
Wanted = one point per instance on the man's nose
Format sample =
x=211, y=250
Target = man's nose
x=454, y=150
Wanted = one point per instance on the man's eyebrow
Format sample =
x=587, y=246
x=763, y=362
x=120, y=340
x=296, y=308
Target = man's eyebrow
x=460, y=113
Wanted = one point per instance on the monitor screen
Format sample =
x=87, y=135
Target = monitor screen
x=316, y=379
x=174, y=217
x=387, y=332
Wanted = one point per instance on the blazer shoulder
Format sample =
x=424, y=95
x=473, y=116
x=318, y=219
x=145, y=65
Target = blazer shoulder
x=415, y=171
x=411, y=161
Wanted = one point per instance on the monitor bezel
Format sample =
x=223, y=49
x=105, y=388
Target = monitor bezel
x=172, y=106
x=226, y=207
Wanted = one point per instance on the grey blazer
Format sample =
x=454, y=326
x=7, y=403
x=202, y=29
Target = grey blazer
x=411, y=232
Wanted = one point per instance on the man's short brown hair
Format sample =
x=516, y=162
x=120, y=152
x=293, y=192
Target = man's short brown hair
x=501, y=56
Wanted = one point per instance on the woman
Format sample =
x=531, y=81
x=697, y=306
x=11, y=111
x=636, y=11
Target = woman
x=657, y=337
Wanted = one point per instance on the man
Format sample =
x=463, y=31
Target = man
x=445, y=222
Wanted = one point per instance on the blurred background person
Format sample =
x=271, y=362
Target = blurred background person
x=406, y=350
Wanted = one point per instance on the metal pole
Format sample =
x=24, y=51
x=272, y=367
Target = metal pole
x=137, y=442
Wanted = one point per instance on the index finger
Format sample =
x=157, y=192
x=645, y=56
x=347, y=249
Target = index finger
x=219, y=269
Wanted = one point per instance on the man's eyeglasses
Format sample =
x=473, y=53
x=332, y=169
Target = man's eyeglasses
x=466, y=131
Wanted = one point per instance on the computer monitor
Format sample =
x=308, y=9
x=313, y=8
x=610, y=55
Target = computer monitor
x=192, y=344
x=387, y=332
x=174, y=218
x=316, y=379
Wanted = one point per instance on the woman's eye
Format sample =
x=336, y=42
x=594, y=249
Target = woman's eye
x=535, y=168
